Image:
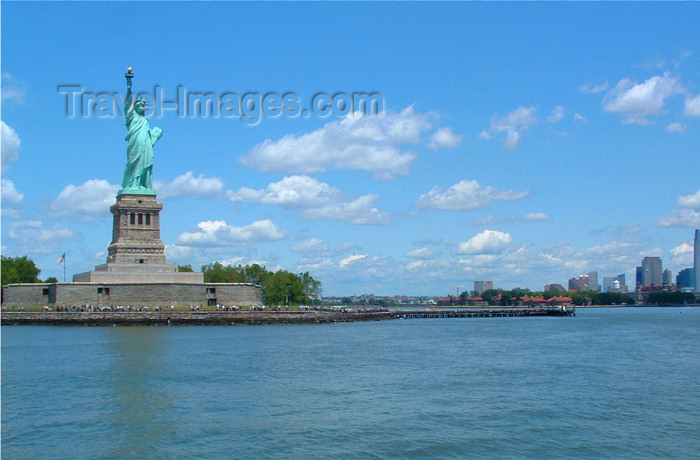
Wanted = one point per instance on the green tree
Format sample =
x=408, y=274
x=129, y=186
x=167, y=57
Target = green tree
x=671, y=298
x=489, y=294
x=218, y=273
x=312, y=287
x=185, y=268
x=256, y=274
x=506, y=298
x=19, y=270
x=51, y=279
x=278, y=288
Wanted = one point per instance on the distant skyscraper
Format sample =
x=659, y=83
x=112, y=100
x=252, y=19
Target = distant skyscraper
x=697, y=261
x=579, y=284
x=686, y=278
x=608, y=283
x=554, y=287
x=481, y=286
x=622, y=278
x=668, y=278
x=593, y=281
x=639, y=278
x=653, y=271
x=615, y=283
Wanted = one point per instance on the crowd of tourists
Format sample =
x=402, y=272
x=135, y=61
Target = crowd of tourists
x=340, y=309
x=229, y=308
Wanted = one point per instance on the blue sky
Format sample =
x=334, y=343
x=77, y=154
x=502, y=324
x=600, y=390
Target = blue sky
x=520, y=143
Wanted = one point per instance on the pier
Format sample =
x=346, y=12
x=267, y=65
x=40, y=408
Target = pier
x=488, y=312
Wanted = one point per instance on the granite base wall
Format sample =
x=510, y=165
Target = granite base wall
x=133, y=294
x=26, y=295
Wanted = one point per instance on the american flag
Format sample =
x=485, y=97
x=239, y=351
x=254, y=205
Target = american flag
x=61, y=259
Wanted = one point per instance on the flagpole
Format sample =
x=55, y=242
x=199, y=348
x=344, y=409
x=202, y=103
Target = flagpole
x=64, y=267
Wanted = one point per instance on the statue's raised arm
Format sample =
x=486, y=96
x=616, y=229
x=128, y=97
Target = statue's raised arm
x=127, y=100
x=138, y=174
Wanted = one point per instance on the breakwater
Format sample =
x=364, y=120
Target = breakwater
x=181, y=318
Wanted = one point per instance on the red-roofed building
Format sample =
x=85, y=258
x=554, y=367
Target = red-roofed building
x=475, y=302
x=528, y=301
x=560, y=301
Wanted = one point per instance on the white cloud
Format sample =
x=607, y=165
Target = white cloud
x=11, y=198
x=322, y=266
x=680, y=218
x=422, y=253
x=13, y=89
x=317, y=201
x=466, y=195
x=557, y=114
x=173, y=252
x=690, y=201
x=654, y=252
x=10, y=195
x=33, y=237
x=189, y=186
x=676, y=128
x=552, y=265
x=537, y=216
x=682, y=255
x=687, y=216
x=486, y=242
x=218, y=233
x=514, y=125
x=692, y=106
x=579, y=117
x=358, y=142
x=10, y=146
x=485, y=221
x=445, y=138
x=360, y=212
x=312, y=246
x=350, y=259
x=85, y=201
x=657, y=63
x=428, y=267
x=638, y=101
x=292, y=192
x=235, y=261
x=587, y=88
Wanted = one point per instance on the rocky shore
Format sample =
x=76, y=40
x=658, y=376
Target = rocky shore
x=183, y=318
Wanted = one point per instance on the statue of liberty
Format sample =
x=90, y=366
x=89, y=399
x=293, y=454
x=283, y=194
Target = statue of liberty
x=138, y=174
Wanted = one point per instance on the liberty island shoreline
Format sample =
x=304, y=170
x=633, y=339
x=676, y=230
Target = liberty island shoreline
x=257, y=317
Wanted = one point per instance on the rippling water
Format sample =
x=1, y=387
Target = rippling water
x=615, y=383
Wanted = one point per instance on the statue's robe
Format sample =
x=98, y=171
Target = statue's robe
x=138, y=173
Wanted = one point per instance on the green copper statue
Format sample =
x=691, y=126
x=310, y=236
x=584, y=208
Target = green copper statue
x=138, y=174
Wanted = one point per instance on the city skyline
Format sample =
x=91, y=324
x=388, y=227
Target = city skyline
x=524, y=144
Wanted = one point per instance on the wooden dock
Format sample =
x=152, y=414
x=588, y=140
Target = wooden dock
x=488, y=312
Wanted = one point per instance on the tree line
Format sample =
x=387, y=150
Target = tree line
x=280, y=287
x=513, y=296
x=671, y=298
x=21, y=269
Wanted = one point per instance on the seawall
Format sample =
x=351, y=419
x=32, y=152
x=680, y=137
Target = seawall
x=182, y=318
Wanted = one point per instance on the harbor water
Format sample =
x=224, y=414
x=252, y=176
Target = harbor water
x=608, y=383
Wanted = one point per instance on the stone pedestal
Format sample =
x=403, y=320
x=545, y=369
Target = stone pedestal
x=136, y=231
x=136, y=253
